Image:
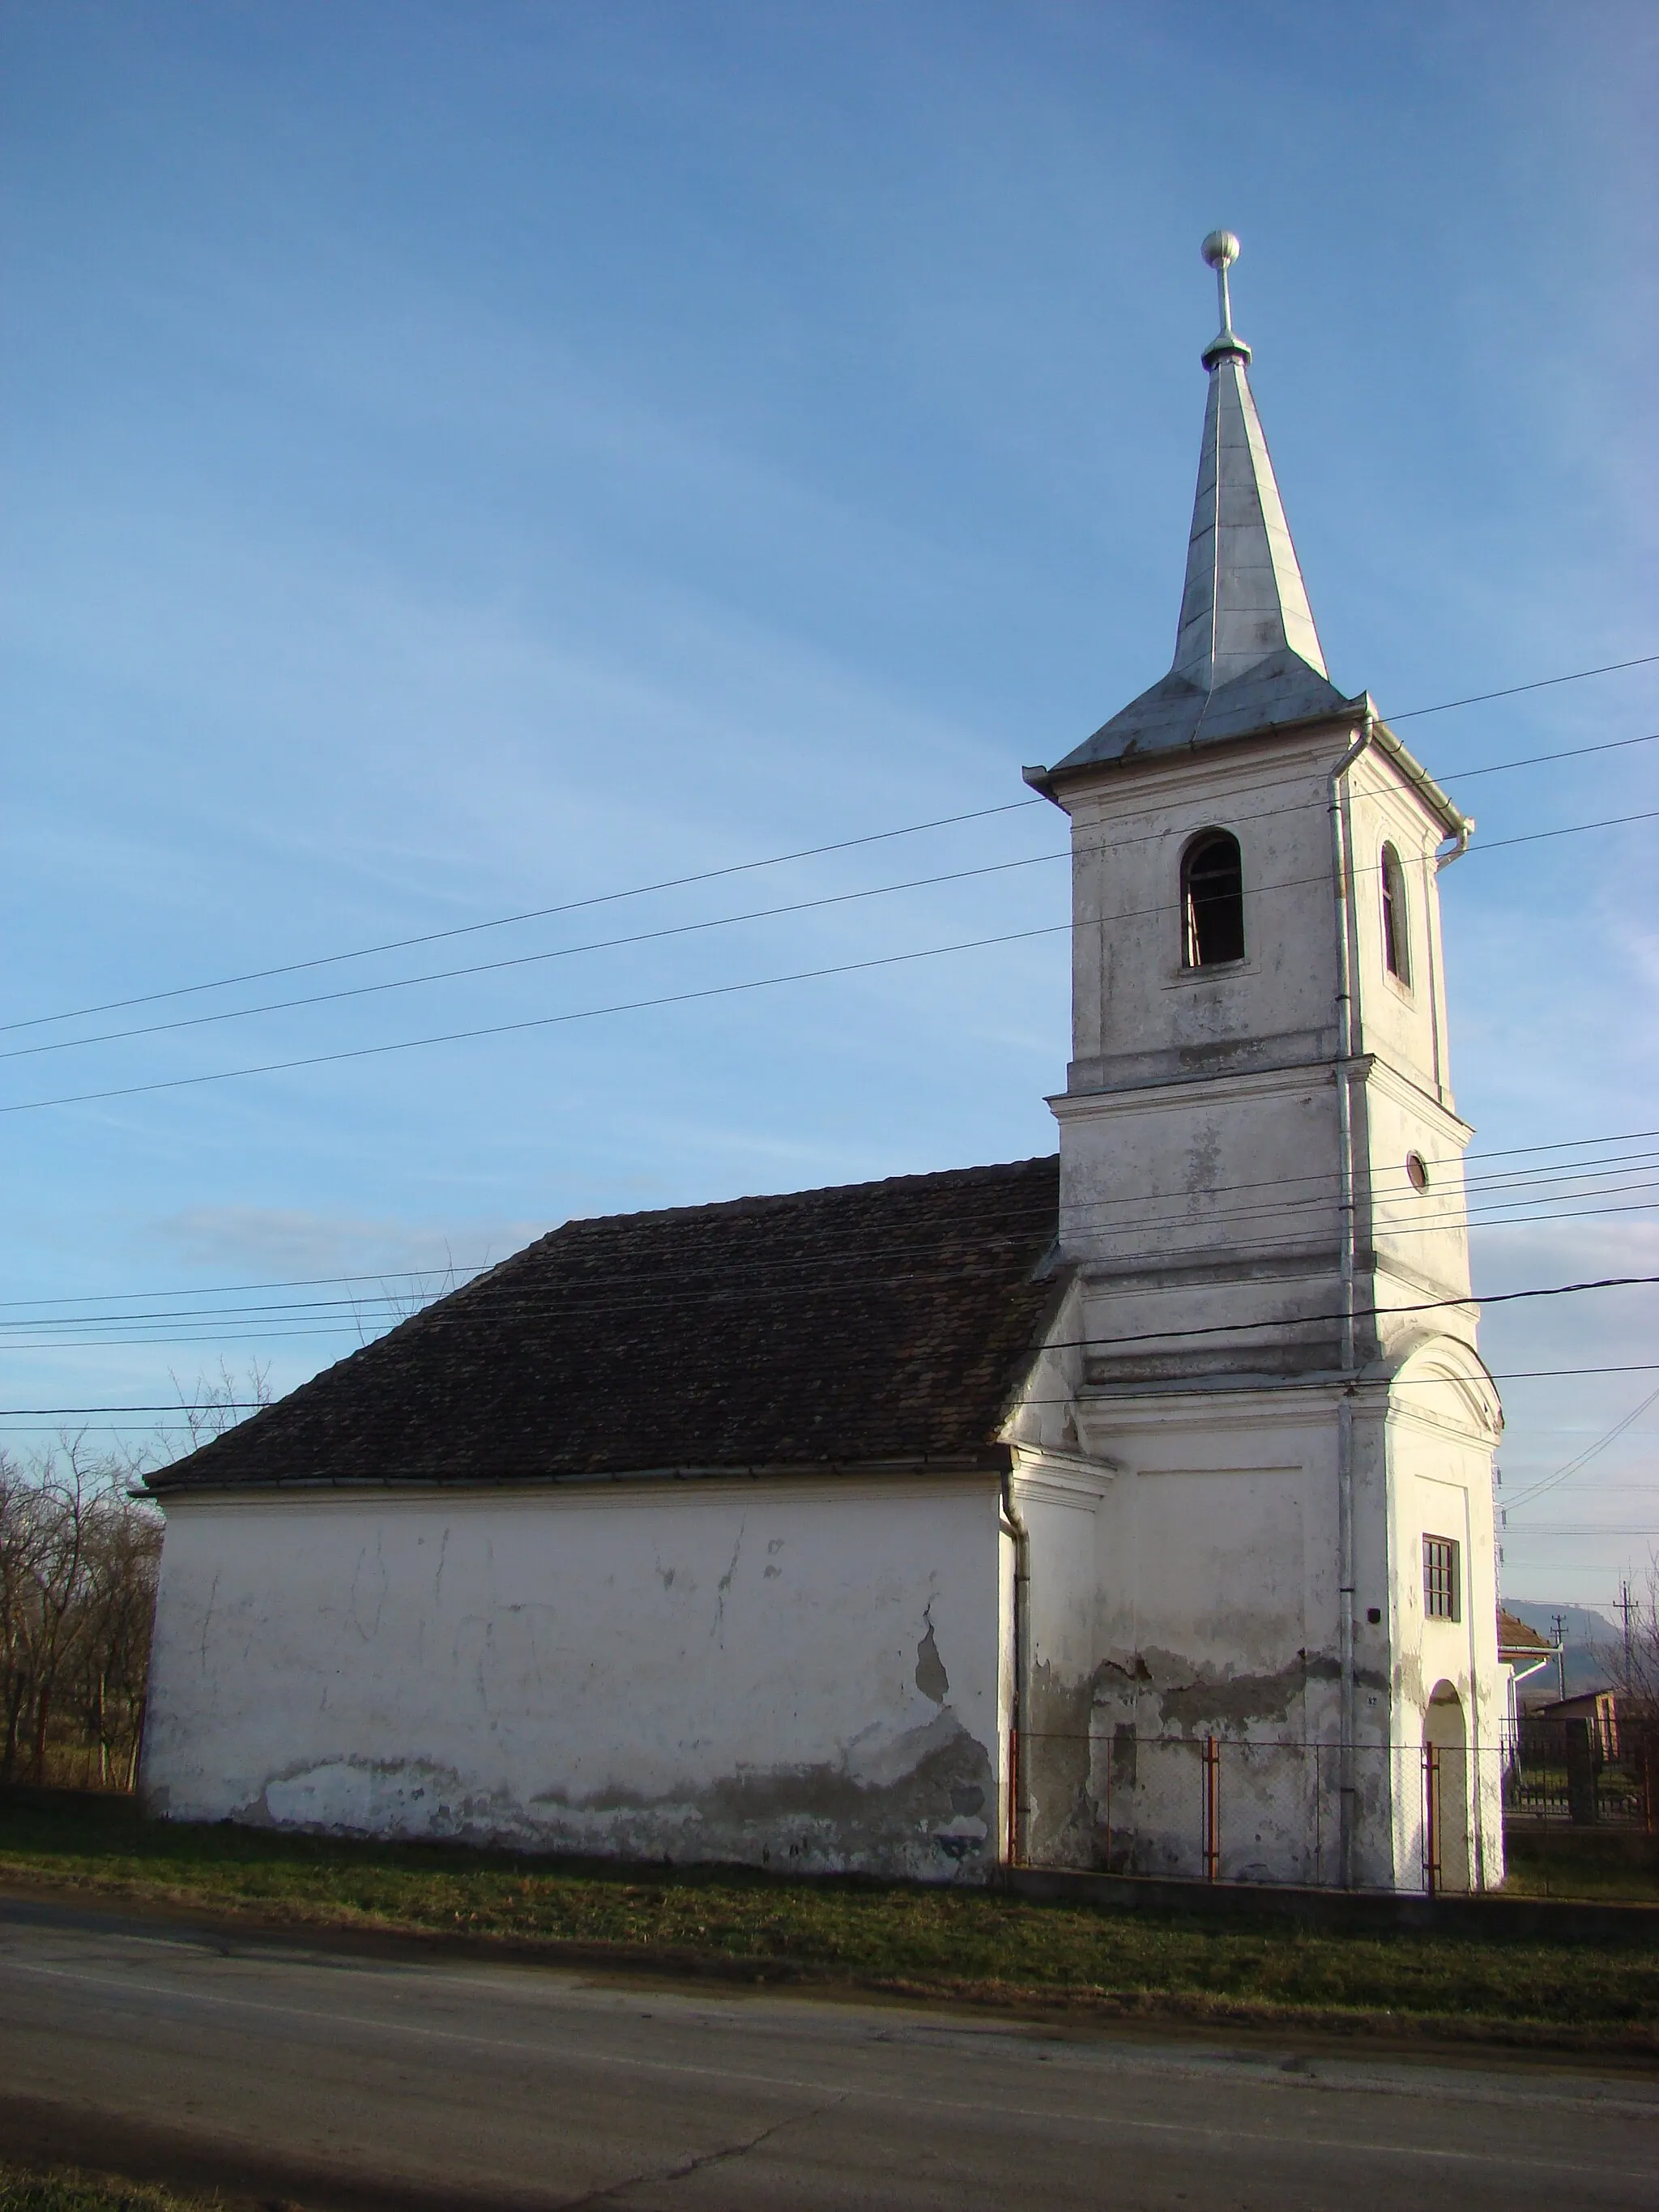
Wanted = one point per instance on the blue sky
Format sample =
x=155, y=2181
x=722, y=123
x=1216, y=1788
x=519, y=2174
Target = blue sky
x=460, y=459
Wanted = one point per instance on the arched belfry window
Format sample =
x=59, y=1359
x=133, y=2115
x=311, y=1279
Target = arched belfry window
x=1212, y=901
x=1396, y=929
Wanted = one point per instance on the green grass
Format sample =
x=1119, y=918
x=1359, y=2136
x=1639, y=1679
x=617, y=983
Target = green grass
x=978, y=1945
x=1604, y=1866
x=63, y=2189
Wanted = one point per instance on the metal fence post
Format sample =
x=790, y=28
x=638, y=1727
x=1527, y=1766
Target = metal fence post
x=1212, y=1809
x=1431, y=1819
x=1013, y=1796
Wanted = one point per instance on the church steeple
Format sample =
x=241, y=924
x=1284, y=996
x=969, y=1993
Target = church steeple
x=1247, y=655
x=1244, y=597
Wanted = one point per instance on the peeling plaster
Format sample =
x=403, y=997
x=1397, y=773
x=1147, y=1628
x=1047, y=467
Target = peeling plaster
x=931, y=1677
x=919, y=1811
x=559, y=1690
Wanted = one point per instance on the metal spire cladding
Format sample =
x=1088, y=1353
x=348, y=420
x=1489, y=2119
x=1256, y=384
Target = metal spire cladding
x=1247, y=655
x=1244, y=597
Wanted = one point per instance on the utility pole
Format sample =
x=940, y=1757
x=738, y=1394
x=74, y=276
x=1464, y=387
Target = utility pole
x=1624, y=1607
x=1561, y=1654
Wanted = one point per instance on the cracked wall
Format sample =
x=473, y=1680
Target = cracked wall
x=1188, y=1589
x=796, y=1675
x=1181, y=1601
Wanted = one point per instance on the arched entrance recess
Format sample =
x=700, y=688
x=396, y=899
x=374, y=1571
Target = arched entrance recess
x=1446, y=1857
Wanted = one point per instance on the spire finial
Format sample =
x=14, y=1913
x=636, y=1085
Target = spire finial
x=1220, y=250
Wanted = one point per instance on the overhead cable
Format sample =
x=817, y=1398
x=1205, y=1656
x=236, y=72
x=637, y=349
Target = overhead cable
x=745, y=868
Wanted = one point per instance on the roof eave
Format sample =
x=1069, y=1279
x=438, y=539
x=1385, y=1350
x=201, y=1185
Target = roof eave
x=994, y=1458
x=1048, y=782
x=1452, y=818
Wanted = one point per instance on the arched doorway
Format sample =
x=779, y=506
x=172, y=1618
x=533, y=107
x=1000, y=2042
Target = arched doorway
x=1445, y=1792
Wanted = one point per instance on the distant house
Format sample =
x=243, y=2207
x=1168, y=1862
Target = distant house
x=1522, y=1654
x=1128, y=1507
x=1598, y=1710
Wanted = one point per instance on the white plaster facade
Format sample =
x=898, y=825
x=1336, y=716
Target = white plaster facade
x=801, y=1675
x=1182, y=1629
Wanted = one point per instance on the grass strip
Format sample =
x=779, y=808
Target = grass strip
x=66, y=2189
x=965, y=1944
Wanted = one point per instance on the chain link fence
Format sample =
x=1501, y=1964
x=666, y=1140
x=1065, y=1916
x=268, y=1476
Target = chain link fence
x=1418, y=1816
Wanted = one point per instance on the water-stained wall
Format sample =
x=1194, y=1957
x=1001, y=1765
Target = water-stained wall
x=798, y=1673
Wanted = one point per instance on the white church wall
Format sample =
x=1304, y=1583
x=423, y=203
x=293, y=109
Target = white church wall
x=1138, y=1014
x=1216, y=1619
x=1403, y=1020
x=801, y=1675
x=1158, y=1182
x=1058, y=1497
x=1420, y=1235
x=1441, y=1462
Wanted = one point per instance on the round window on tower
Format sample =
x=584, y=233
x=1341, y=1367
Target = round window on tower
x=1416, y=1171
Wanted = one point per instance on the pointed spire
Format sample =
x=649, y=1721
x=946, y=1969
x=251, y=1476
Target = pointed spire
x=1247, y=657
x=1244, y=599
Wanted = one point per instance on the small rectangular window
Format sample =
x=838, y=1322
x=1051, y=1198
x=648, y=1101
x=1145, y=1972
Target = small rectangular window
x=1440, y=1592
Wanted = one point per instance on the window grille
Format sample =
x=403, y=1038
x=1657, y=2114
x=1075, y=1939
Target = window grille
x=1440, y=1592
x=1212, y=901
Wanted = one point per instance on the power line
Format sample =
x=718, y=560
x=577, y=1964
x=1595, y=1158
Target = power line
x=718, y=922
x=532, y=959
x=532, y=913
x=747, y=867
x=1513, y=690
x=1558, y=1530
x=467, y=1272
x=778, y=1272
x=1360, y=1313
x=708, y=991
x=227, y=1290
x=530, y=1305
x=1542, y=760
x=536, y=1021
x=1574, y=1465
x=859, y=1251
x=1395, y=1382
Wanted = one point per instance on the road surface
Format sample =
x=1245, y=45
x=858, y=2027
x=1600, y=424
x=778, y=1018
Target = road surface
x=350, y=2081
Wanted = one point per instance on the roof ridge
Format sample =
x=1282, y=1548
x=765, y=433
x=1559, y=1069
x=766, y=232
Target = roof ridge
x=760, y=1200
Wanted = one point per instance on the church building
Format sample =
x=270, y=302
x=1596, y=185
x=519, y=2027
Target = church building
x=1127, y=1508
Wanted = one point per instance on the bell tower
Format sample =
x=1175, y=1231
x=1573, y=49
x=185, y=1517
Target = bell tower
x=1261, y=1202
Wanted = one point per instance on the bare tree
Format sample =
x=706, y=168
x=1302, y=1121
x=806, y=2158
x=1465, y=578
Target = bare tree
x=77, y=1588
x=1633, y=1661
x=108, y=1664
x=80, y=1553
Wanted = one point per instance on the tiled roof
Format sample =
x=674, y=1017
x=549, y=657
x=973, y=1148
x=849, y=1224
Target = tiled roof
x=878, y=1322
x=1514, y=1637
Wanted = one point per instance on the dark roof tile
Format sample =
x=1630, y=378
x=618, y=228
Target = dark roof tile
x=876, y=1322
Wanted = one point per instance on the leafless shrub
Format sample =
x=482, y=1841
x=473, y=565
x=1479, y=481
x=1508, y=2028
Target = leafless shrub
x=211, y=1406
x=401, y=1301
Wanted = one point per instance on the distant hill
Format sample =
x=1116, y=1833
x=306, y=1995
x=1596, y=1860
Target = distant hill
x=1590, y=1641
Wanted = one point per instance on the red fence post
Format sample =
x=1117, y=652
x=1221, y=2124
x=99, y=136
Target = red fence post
x=1013, y=1796
x=1212, y=1808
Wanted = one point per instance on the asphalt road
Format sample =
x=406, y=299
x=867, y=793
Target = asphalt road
x=342, y=2079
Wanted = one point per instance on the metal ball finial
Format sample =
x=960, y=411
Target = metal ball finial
x=1220, y=250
